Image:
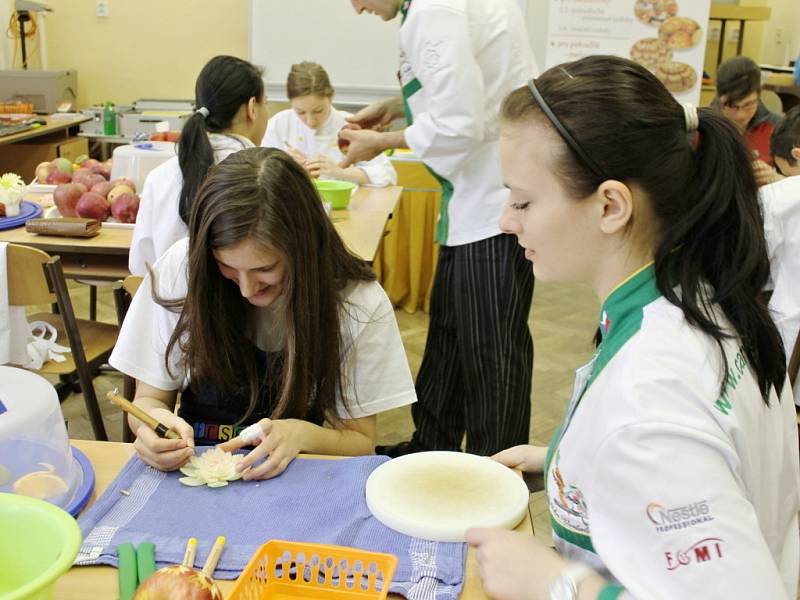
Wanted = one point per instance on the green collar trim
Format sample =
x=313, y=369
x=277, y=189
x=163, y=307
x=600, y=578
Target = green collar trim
x=404, y=10
x=622, y=313
x=581, y=540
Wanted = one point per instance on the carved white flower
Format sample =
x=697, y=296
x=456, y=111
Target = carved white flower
x=214, y=468
x=12, y=182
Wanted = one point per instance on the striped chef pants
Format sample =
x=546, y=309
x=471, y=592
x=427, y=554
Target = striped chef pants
x=476, y=372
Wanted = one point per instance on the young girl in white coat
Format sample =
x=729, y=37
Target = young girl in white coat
x=675, y=471
x=308, y=131
x=231, y=115
x=261, y=318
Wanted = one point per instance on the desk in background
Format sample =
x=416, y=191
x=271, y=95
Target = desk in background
x=100, y=583
x=21, y=152
x=105, y=256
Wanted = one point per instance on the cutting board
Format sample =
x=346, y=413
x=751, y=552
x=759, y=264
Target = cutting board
x=439, y=495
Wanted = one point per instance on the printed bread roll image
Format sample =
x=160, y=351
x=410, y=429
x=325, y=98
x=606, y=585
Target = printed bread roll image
x=653, y=12
x=680, y=33
x=650, y=52
x=676, y=76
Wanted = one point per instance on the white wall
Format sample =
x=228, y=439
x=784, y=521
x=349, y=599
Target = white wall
x=781, y=42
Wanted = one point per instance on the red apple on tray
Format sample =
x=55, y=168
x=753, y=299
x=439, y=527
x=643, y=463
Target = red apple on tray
x=82, y=175
x=56, y=177
x=125, y=208
x=102, y=188
x=66, y=197
x=125, y=181
x=42, y=171
x=118, y=190
x=178, y=583
x=92, y=205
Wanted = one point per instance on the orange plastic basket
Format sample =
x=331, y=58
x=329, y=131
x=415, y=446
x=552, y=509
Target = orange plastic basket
x=295, y=570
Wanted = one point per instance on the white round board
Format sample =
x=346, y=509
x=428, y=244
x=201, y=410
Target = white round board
x=439, y=495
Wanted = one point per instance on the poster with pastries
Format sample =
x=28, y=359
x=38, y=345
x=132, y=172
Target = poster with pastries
x=668, y=37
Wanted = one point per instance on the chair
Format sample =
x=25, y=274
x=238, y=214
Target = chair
x=123, y=296
x=34, y=277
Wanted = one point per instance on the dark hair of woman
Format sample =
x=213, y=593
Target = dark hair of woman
x=701, y=190
x=223, y=86
x=262, y=194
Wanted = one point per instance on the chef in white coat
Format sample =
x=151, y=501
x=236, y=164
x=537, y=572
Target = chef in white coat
x=780, y=204
x=675, y=471
x=457, y=60
x=309, y=131
x=231, y=116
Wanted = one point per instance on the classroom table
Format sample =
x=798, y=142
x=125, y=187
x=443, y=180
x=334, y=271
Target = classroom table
x=100, y=583
x=105, y=256
x=54, y=125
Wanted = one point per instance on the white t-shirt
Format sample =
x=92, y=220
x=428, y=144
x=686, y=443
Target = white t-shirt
x=158, y=224
x=665, y=482
x=458, y=60
x=377, y=372
x=780, y=203
x=286, y=127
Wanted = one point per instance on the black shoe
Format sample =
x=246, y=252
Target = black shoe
x=400, y=449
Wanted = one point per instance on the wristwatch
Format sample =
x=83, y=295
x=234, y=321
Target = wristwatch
x=565, y=586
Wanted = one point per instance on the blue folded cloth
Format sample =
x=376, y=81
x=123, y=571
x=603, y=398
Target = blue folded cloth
x=314, y=500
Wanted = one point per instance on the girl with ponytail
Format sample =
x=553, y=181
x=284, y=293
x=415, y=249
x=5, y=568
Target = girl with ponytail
x=231, y=115
x=675, y=471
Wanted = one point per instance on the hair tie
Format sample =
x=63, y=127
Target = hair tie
x=203, y=111
x=690, y=117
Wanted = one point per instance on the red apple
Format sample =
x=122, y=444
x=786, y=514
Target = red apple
x=343, y=143
x=102, y=188
x=178, y=583
x=89, y=163
x=42, y=171
x=92, y=205
x=125, y=181
x=93, y=179
x=57, y=176
x=173, y=136
x=81, y=175
x=118, y=190
x=125, y=208
x=158, y=136
x=66, y=197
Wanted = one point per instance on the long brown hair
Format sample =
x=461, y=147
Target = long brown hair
x=262, y=194
x=620, y=122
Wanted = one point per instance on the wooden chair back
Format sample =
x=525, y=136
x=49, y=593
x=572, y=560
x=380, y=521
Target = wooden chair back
x=37, y=278
x=27, y=284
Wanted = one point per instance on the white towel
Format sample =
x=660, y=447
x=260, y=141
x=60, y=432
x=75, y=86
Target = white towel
x=27, y=345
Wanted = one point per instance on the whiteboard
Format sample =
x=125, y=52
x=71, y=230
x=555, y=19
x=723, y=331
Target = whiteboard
x=359, y=52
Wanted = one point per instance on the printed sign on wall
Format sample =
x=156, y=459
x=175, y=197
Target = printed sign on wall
x=666, y=36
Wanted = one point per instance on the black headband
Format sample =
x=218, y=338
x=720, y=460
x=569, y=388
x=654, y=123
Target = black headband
x=566, y=135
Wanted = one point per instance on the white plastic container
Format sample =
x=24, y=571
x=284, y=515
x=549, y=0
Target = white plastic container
x=35, y=455
x=135, y=161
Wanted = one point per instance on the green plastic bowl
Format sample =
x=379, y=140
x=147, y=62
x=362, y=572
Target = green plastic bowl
x=38, y=544
x=335, y=192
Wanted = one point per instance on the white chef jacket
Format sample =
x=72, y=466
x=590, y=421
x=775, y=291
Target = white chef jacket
x=377, y=374
x=780, y=204
x=158, y=224
x=661, y=480
x=458, y=60
x=286, y=128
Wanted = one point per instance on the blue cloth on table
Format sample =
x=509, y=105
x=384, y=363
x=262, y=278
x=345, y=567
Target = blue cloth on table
x=314, y=500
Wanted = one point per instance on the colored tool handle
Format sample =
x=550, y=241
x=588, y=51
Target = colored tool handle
x=145, y=560
x=126, y=571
